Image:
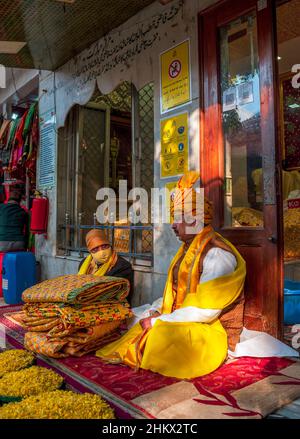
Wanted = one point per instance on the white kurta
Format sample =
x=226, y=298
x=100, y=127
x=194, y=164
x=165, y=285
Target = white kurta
x=217, y=262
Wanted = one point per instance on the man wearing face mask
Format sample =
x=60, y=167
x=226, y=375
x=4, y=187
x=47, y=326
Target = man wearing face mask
x=103, y=260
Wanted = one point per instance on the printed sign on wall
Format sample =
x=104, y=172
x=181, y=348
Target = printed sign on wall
x=175, y=76
x=174, y=146
x=47, y=153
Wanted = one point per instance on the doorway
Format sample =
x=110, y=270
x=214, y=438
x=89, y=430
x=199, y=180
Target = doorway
x=240, y=164
x=288, y=68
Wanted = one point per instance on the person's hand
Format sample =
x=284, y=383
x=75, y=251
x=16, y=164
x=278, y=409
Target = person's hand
x=146, y=323
x=154, y=313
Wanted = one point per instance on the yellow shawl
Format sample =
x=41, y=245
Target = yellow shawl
x=103, y=269
x=184, y=349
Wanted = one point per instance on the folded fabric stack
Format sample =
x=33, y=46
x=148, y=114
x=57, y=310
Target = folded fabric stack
x=73, y=314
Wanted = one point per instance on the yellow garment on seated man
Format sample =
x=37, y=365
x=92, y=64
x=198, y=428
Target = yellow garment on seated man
x=184, y=349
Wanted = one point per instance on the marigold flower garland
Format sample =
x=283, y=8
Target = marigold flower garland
x=60, y=404
x=15, y=359
x=30, y=381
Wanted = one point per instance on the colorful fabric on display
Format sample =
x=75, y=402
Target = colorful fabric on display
x=29, y=119
x=18, y=145
x=185, y=199
x=4, y=131
x=78, y=289
x=78, y=345
x=184, y=349
x=61, y=320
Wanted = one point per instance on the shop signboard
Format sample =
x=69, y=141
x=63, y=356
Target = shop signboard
x=47, y=150
x=175, y=76
x=174, y=154
x=294, y=203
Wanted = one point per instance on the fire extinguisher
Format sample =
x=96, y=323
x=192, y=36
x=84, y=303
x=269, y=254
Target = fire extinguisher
x=39, y=214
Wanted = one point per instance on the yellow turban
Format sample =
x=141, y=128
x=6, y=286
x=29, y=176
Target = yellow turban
x=184, y=198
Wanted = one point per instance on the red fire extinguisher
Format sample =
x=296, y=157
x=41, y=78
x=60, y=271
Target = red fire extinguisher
x=39, y=214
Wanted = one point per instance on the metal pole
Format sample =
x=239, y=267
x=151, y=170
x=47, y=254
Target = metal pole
x=67, y=234
x=79, y=234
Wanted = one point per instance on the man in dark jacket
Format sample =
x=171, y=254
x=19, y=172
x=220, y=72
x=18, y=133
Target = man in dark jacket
x=103, y=260
x=13, y=224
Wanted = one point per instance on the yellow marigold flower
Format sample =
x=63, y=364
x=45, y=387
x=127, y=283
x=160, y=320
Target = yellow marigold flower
x=59, y=404
x=30, y=381
x=15, y=359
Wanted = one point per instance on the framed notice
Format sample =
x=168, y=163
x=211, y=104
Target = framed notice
x=47, y=152
x=174, y=154
x=245, y=93
x=290, y=122
x=175, y=77
x=229, y=99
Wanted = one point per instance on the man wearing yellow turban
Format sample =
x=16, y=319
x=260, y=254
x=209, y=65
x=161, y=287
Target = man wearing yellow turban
x=188, y=332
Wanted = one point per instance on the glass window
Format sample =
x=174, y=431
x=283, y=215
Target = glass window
x=241, y=118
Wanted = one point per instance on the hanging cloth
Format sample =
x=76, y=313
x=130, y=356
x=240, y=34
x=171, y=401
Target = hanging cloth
x=4, y=130
x=18, y=143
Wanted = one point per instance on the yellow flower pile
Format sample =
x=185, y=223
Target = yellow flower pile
x=15, y=359
x=246, y=216
x=30, y=381
x=59, y=404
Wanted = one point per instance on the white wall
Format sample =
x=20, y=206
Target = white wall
x=19, y=84
x=152, y=31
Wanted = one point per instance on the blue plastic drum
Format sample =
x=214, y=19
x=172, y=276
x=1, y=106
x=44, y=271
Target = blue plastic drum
x=291, y=302
x=18, y=273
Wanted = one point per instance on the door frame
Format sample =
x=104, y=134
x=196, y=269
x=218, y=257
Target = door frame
x=211, y=142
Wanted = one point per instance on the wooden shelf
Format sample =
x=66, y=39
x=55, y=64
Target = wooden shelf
x=291, y=261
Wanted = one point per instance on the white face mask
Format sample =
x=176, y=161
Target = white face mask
x=102, y=256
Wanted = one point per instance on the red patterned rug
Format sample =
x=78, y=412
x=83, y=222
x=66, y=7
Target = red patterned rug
x=243, y=388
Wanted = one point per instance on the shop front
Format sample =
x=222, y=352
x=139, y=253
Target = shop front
x=209, y=86
x=239, y=115
x=250, y=118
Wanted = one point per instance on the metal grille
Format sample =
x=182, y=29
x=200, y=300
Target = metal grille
x=134, y=241
x=91, y=161
x=146, y=117
x=146, y=130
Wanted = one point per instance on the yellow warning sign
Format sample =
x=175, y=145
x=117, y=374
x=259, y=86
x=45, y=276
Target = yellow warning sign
x=171, y=187
x=175, y=76
x=174, y=145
